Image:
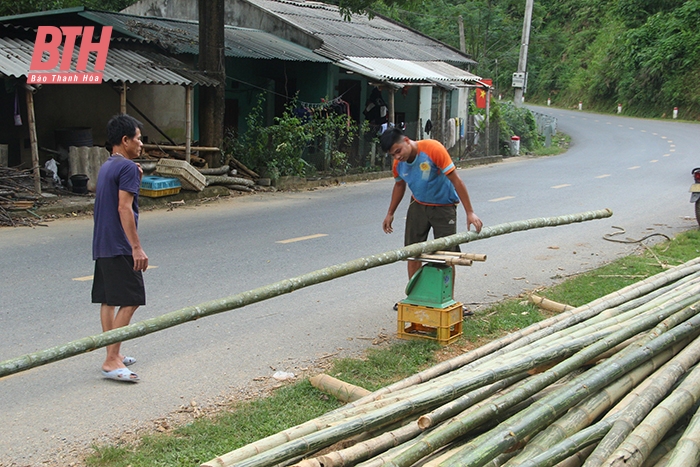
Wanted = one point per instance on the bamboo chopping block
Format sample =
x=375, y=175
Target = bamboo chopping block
x=550, y=305
x=341, y=390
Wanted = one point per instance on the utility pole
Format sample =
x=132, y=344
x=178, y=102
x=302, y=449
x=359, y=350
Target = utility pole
x=520, y=78
x=462, y=42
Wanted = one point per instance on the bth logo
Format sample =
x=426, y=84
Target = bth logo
x=57, y=68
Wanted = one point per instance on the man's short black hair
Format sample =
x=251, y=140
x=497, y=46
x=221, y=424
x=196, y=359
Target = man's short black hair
x=120, y=126
x=390, y=137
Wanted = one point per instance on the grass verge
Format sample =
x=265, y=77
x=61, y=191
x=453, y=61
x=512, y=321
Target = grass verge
x=560, y=144
x=244, y=422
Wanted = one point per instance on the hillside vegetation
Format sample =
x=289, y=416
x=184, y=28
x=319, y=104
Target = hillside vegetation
x=643, y=54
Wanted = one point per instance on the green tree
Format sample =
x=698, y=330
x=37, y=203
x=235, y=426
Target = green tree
x=18, y=7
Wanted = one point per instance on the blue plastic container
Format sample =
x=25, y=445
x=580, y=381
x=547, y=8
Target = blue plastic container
x=152, y=182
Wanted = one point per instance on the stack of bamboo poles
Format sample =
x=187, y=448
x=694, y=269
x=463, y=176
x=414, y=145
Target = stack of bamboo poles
x=614, y=382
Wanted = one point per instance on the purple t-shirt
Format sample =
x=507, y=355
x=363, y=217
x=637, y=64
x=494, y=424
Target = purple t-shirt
x=109, y=239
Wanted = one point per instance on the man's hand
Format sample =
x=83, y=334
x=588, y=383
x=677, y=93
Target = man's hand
x=473, y=219
x=386, y=225
x=140, y=259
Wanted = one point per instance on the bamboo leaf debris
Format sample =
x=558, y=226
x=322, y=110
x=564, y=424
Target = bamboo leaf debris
x=621, y=386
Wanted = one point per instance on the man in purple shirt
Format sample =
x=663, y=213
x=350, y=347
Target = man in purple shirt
x=116, y=248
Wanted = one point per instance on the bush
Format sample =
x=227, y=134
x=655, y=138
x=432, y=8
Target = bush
x=279, y=149
x=514, y=121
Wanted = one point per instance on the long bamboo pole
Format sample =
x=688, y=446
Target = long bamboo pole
x=541, y=413
x=639, y=444
x=588, y=411
x=333, y=434
x=547, y=448
x=655, y=390
x=630, y=293
x=687, y=450
x=678, y=274
x=443, y=435
x=29, y=92
x=634, y=293
x=371, y=447
x=192, y=313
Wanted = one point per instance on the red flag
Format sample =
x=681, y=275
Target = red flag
x=481, y=94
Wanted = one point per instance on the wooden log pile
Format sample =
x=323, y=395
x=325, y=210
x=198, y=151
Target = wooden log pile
x=612, y=383
x=234, y=175
x=16, y=194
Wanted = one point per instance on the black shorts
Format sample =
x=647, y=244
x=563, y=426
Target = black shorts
x=116, y=283
x=421, y=218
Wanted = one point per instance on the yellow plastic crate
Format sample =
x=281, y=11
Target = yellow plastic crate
x=159, y=193
x=421, y=322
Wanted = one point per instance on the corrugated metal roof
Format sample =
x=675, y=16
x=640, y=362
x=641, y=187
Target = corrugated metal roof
x=408, y=71
x=361, y=37
x=122, y=65
x=182, y=37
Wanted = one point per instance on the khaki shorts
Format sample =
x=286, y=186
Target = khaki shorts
x=421, y=218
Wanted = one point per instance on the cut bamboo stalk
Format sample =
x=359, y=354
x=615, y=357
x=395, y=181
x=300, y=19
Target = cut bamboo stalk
x=471, y=256
x=687, y=451
x=372, y=447
x=683, y=296
x=660, y=455
x=654, y=390
x=449, y=260
x=192, y=313
x=180, y=148
x=571, y=445
x=639, y=444
x=577, y=459
x=539, y=415
x=442, y=435
x=657, y=282
x=462, y=403
x=549, y=305
x=346, y=428
x=590, y=409
x=341, y=390
x=628, y=342
x=632, y=293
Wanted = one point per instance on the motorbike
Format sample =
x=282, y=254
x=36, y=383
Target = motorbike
x=695, y=193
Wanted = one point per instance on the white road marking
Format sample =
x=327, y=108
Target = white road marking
x=633, y=167
x=667, y=155
x=300, y=239
x=603, y=176
x=663, y=137
x=556, y=187
x=89, y=278
x=496, y=200
x=653, y=160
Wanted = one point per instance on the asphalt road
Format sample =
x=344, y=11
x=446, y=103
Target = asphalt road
x=638, y=168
